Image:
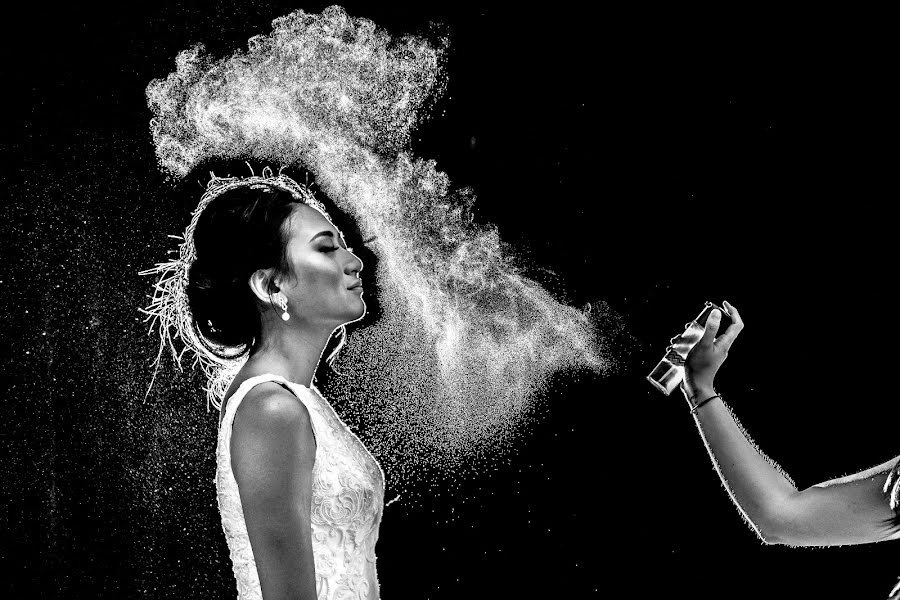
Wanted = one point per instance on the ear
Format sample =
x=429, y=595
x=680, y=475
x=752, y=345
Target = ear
x=264, y=285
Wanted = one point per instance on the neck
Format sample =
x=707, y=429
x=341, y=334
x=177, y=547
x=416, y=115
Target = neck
x=292, y=351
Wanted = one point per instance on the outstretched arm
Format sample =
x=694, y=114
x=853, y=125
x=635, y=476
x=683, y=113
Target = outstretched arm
x=849, y=510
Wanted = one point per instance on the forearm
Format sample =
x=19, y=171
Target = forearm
x=754, y=483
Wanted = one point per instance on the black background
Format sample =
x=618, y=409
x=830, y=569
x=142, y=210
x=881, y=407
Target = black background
x=651, y=160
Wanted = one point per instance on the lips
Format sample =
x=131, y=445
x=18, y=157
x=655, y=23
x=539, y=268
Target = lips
x=358, y=284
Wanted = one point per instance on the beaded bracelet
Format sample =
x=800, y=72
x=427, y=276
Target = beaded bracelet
x=699, y=404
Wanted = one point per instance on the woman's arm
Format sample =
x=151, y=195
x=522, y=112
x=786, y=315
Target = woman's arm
x=850, y=510
x=273, y=450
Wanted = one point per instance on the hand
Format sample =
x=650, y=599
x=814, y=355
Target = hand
x=709, y=353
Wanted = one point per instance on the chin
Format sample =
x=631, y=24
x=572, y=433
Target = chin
x=356, y=315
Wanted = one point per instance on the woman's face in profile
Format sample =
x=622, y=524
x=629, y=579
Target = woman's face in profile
x=324, y=270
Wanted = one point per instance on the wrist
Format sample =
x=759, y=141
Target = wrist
x=703, y=401
x=697, y=392
x=696, y=395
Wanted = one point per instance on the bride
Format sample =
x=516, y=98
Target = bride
x=300, y=497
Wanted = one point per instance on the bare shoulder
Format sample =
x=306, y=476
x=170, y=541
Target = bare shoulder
x=268, y=404
x=270, y=422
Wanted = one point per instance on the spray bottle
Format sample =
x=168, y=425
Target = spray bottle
x=669, y=373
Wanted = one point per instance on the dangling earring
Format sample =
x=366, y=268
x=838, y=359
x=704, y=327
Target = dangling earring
x=283, y=302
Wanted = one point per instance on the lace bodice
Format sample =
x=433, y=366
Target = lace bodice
x=346, y=510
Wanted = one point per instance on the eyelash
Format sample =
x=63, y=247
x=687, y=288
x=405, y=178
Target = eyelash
x=365, y=243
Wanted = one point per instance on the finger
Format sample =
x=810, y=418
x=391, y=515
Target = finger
x=727, y=339
x=712, y=327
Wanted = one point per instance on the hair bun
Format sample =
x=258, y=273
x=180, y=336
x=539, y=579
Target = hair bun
x=237, y=233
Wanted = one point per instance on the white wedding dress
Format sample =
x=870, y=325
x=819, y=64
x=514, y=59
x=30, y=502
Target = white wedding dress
x=346, y=510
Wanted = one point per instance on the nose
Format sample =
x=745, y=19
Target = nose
x=354, y=265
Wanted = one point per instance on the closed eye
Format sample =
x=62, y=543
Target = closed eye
x=350, y=250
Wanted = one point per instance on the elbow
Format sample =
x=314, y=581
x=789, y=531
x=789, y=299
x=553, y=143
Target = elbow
x=771, y=535
x=766, y=529
x=779, y=525
x=771, y=526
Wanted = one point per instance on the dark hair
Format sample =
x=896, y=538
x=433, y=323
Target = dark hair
x=239, y=232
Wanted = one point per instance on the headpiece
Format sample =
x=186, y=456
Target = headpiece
x=169, y=308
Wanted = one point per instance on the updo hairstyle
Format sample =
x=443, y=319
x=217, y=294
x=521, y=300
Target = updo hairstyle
x=239, y=232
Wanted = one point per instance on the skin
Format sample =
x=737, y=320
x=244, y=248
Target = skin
x=273, y=447
x=847, y=510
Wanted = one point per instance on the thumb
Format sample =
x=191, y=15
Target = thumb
x=712, y=327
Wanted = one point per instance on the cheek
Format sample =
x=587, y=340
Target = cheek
x=318, y=276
